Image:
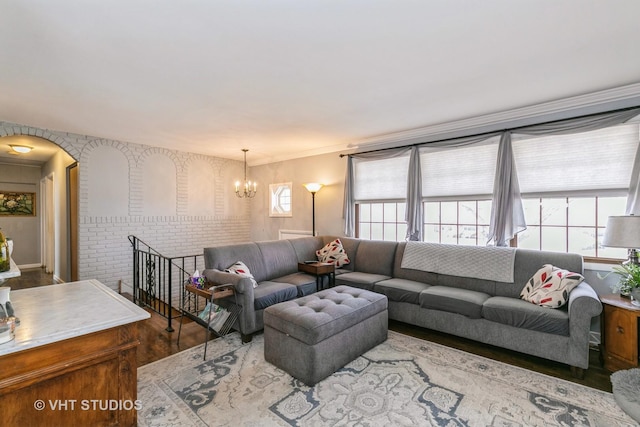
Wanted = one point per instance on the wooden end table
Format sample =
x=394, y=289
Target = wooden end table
x=320, y=270
x=619, y=347
x=210, y=294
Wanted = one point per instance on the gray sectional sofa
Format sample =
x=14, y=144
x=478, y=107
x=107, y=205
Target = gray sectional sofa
x=483, y=308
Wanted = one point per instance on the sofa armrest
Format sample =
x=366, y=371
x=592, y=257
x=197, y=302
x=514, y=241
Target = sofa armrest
x=584, y=304
x=244, y=293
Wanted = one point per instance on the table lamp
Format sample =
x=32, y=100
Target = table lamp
x=624, y=232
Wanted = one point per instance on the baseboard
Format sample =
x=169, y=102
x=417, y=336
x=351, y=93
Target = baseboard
x=125, y=288
x=26, y=266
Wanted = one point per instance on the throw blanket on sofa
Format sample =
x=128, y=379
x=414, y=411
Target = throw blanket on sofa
x=480, y=262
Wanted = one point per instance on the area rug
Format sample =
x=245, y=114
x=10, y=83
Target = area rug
x=404, y=381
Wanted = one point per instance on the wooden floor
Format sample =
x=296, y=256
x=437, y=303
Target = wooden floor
x=157, y=343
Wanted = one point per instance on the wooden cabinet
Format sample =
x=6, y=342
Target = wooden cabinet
x=73, y=360
x=619, y=333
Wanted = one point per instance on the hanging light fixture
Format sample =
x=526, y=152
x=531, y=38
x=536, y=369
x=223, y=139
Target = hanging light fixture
x=248, y=189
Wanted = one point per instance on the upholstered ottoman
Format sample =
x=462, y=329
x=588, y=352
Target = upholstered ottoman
x=314, y=336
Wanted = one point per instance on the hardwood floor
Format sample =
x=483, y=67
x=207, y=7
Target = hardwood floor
x=157, y=343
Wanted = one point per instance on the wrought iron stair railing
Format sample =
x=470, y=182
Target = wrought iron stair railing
x=158, y=280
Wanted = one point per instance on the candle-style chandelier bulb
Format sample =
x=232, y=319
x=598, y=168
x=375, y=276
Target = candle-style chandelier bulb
x=248, y=188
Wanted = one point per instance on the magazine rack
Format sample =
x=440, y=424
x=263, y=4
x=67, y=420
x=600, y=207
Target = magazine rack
x=191, y=308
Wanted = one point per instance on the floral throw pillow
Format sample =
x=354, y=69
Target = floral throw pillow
x=333, y=253
x=241, y=269
x=550, y=286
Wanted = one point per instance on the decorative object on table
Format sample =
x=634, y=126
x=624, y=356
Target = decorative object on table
x=280, y=200
x=7, y=329
x=6, y=308
x=17, y=204
x=313, y=188
x=629, y=283
x=5, y=256
x=624, y=232
x=8, y=321
x=197, y=280
x=248, y=187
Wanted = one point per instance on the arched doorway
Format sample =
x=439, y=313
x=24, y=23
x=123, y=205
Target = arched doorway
x=43, y=239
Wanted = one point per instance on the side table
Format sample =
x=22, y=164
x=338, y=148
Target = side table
x=210, y=295
x=619, y=348
x=320, y=270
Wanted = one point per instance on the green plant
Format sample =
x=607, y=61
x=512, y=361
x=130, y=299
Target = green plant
x=629, y=277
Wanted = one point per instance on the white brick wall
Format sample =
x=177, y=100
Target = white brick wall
x=104, y=249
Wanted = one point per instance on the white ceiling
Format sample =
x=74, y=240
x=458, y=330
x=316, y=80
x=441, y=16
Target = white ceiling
x=292, y=78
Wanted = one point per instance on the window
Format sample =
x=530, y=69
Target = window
x=280, y=200
x=460, y=222
x=570, y=224
x=570, y=185
x=382, y=221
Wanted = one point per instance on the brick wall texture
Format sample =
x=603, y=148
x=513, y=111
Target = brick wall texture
x=105, y=252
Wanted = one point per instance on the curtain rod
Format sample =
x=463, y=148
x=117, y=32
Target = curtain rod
x=514, y=129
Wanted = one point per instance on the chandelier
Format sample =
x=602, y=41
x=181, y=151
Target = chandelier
x=248, y=189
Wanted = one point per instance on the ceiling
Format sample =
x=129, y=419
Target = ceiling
x=294, y=78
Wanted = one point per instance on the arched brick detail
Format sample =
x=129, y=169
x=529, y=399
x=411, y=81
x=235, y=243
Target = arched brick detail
x=62, y=142
x=90, y=146
x=181, y=178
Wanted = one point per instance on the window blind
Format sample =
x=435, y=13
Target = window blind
x=384, y=179
x=462, y=171
x=595, y=160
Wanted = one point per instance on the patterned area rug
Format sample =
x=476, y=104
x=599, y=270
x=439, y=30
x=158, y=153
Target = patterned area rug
x=403, y=382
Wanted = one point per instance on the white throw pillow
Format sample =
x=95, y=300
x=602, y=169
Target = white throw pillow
x=550, y=286
x=241, y=269
x=333, y=253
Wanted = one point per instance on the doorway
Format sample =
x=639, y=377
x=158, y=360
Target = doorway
x=72, y=220
x=47, y=191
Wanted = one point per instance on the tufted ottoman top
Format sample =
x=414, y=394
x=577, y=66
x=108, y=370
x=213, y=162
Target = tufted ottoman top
x=313, y=318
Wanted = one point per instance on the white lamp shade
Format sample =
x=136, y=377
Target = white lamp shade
x=313, y=187
x=622, y=232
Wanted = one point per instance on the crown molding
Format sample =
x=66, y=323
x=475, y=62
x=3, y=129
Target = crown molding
x=591, y=103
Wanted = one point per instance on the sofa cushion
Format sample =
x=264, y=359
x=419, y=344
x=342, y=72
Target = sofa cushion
x=550, y=286
x=375, y=257
x=454, y=300
x=401, y=290
x=306, y=283
x=305, y=247
x=523, y=314
x=269, y=293
x=333, y=253
x=360, y=280
x=221, y=257
x=350, y=245
x=242, y=270
x=279, y=258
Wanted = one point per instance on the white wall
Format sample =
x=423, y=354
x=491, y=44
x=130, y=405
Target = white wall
x=327, y=169
x=132, y=189
x=57, y=166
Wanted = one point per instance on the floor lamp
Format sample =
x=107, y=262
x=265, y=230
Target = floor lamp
x=313, y=188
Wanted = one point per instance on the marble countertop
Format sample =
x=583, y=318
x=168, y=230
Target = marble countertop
x=14, y=271
x=57, y=312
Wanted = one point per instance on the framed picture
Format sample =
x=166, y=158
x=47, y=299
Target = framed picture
x=280, y=200
x=17, y=204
